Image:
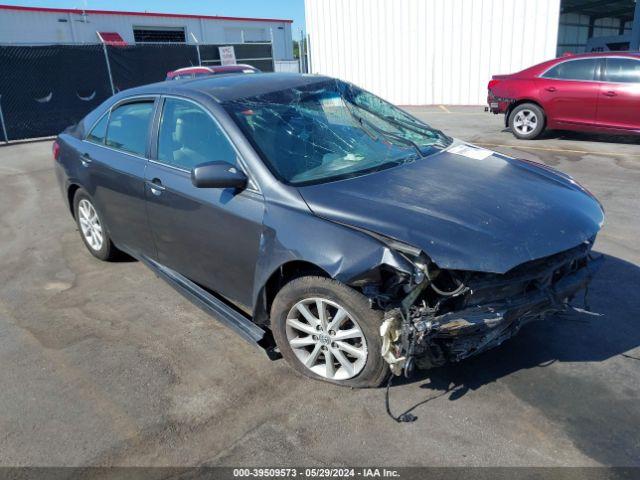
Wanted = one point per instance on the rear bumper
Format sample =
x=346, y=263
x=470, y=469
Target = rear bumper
x=497, y=107
x=462, y=334
x=496, y=104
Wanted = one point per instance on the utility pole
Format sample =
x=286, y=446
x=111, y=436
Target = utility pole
x=301, y=52
x=195, y=40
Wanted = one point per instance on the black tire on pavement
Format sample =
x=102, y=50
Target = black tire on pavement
x=104, y=250
x=336, y=295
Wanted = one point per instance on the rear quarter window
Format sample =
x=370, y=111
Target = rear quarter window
x=99, y=131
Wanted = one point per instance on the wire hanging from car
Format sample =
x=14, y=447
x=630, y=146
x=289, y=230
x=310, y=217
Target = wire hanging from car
x=405, y=417
x=586, y=310
x=586, y=307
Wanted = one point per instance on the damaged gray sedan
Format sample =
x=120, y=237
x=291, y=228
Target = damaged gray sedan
x=324, y=224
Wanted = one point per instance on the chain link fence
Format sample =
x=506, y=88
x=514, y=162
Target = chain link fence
x=45, y=88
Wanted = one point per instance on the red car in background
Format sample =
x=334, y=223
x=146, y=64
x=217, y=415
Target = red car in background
x=598, y=92
x=193, y=72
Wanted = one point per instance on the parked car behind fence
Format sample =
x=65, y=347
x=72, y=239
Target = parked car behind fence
x=203, y=71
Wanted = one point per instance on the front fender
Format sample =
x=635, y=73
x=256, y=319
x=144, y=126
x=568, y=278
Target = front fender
x=346, y=254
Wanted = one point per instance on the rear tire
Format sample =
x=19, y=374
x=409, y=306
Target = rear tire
x=527, y=121
x=93, y=231
x=341, y=345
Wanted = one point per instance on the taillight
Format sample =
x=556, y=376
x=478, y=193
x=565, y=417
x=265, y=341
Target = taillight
x=493, y=83
x=55, y=148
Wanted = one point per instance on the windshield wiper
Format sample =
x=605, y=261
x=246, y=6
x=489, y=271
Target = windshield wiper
x=416, y=127
x=367, y=129
x=392, y=136
x=408, y=124
x=386, y=134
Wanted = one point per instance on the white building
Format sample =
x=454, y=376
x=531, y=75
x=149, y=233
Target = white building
x=420, y=52
x=34, y=25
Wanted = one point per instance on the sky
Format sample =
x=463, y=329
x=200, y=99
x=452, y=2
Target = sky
x=285, y=9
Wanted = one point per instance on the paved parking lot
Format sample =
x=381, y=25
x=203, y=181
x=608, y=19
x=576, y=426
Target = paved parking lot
x=104, y=364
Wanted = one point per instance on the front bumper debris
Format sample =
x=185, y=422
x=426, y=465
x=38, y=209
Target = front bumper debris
x=474, y=330
x=495, y=308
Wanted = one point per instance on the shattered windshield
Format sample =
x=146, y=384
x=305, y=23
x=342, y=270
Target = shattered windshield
x=331, y=130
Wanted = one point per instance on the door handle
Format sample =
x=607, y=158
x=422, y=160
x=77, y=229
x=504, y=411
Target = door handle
x=86, y=159
x=551, y=89
x=610, y=93
x=156, y=186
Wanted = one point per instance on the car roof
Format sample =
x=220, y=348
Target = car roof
x=599, y=54
x=188, y=70
x=223, y=88
x=230, y=68
x=539, y=68
x=192, y=69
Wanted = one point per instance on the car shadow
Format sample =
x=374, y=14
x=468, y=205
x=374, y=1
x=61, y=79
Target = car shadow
x=122, y=257
x=567, y=337
x=585, y=137
x=591, y=137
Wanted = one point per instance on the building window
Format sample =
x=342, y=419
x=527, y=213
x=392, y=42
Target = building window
x=149, y=34
x=256, y=35
x=246, y=35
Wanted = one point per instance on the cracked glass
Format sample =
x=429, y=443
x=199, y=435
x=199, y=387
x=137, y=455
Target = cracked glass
x=331, y=130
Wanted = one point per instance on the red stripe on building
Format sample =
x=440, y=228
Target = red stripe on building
x=143, y=14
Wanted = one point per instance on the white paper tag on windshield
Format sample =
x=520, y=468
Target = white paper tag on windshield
x=476, y=153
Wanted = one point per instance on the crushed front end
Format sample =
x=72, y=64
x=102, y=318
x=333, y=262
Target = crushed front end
x=446, y=316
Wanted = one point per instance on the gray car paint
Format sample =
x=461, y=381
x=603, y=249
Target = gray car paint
x=482, y=215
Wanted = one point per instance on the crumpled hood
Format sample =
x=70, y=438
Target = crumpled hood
x=484, y=215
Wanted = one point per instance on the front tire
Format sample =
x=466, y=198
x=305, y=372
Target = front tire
x=93, y=230
x=527, y=121
x=327, y=331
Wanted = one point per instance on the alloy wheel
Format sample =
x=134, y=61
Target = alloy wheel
x=90, y=224
x=326, y=338
x=525, y=121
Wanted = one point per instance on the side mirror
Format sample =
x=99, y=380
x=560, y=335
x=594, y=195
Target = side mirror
x=218, y=175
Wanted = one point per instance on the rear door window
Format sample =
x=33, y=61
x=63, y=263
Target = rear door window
x=622, y=70
x=574, y=70
x=129, y=127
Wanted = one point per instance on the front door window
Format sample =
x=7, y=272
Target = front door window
x=188, y=136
